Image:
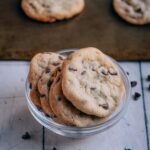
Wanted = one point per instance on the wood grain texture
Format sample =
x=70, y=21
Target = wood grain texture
x=98, y=26
x=145, y=68
x=130, y=132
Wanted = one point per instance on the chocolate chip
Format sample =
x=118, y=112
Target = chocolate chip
x=26, y=136
x=93, y=69
x=112, y=71
x=148, y=78
x=54, y=148
x=42, y=95
x=138, y=9
x=93, y=88
x=104, y=72
x=148, y=87
x=30, y=86
x=83, y=72
x=105, y=106
x=33, y=7
x=136, y=96
x=58, y=98
x=127, y=148
x=56, y=63
x=133, y=83
x=72, y=69
x=60, y=57
x=49, y=83
x=47, y=70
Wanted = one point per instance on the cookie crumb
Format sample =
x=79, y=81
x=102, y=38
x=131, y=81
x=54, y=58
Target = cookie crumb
x=136, y=96
x=26, y=136
x=133, y=83
x=148, y=78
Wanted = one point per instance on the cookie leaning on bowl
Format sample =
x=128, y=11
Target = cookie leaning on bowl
x=64, y=109
x=52, y=10
x=133, y=11
x=91, y=82
x=38, y=67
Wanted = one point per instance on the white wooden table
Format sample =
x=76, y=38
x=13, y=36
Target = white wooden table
x=132, y=132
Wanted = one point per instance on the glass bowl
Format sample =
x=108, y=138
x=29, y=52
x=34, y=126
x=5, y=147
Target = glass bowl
x=78, y=132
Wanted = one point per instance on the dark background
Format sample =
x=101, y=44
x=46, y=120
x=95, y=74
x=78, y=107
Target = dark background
x=98, y=25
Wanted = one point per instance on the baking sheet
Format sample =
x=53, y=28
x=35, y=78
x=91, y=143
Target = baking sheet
x=98, y=25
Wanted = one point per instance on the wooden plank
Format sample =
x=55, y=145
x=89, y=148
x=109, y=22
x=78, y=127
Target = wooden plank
x=145, y=69
x=128, y=133
x=15, y=118
x=12, y=78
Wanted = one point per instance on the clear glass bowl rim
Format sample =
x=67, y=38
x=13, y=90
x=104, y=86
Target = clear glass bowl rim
x=49, y=123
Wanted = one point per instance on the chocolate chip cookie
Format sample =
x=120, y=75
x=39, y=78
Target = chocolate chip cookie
x=39, y=64
x=133, y=11
x=64, y=110
x=91, y=82
x=52, y=10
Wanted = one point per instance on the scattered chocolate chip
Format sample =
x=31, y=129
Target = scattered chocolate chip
x=83, y=72
x=128, y=73
x=60, y=57
x=133, y=83
x=54, y=148
x=136, y=96
x=42, y=95
x=47, y=70
x=148, y=78
x=137, y=9
x=56, y=63
x=93, y=88
x=26, y=136
x=72, y=69
x=30, y=86
x=114, y=73
x=58, y=98
x=49, y=83
x=33, y=6
x=127, y=148
x=104, y=72
x=148, y=87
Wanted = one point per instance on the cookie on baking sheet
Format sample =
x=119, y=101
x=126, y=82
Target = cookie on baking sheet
x=52, y=10
x=38, y=65
x=91, y=82
x=133, y=11
x=65, y=110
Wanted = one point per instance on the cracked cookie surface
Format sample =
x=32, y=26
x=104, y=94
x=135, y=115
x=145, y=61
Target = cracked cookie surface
x=52, y=10
x=91, y=82
x=133, y=11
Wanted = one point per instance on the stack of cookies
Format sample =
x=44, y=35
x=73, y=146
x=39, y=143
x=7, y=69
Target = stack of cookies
x=79, y=90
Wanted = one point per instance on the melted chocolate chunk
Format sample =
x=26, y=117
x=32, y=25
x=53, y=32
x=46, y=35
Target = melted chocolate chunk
x=93, y=88
x=56, y=63
x=42, y=95
x=58, y=98
x=133, y=83
x=47, y=70
x=26, y=136
x=105, y=106
x=136, y=96
x=60, y=57
x=49, y=83
x=72, y=69
x=83, y=72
